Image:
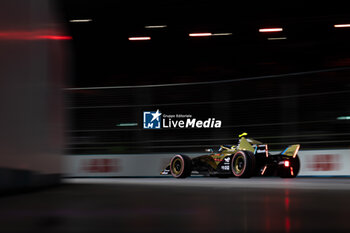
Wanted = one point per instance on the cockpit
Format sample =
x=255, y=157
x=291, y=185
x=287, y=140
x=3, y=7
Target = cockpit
x=226, y=147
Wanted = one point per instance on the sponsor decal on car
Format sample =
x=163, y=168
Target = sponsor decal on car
x=225, y=167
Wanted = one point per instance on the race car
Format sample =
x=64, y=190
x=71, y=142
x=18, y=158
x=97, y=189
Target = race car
x=246, y=159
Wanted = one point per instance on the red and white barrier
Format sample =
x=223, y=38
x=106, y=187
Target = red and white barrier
x=115, y=165
x=325, y=163
x=313, y=163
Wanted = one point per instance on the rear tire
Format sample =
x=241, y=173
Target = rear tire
x=243, y=164
x=291, y=171
x=181, y=166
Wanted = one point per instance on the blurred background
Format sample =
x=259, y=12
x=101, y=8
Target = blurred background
x=277, y=71
x=77, y=76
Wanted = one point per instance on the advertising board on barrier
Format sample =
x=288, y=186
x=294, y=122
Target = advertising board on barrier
x=114, y=165
x=325, y=163
x=313, y=163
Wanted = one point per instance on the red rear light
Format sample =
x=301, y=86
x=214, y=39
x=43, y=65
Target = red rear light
x=286, y=163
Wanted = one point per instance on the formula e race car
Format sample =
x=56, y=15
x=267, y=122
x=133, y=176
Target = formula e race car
x=249, y=158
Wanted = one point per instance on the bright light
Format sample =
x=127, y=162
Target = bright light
x=267, y=151
x=40, y=34
x=80, y=20
x=286, y=163
x=222, y=34
x=126, y=124
x=342, y=25
x=277, y=38
x=200, y=34
x=270, y=29
x=53, y=37
x=263, y=171
x=155, y=26
x=140, y=38
x=343, y=118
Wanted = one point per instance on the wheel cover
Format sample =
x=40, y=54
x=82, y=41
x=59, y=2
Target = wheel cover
x=177, y=166
x=239, y=164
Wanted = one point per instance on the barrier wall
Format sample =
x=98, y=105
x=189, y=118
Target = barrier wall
x=325, y=163
x=313, y=163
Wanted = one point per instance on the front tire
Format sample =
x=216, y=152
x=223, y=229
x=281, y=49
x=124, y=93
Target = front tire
x=181, y=166
x=243, y=164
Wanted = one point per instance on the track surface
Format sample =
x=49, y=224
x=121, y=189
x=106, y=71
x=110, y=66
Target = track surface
x=188, y=205
x=266, y=183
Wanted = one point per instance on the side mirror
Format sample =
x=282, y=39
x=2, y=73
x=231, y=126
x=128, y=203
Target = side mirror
x=209, y=150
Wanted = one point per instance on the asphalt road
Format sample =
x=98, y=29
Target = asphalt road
x=186, y=205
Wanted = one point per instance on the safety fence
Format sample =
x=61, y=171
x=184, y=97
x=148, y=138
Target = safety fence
x=309, y=108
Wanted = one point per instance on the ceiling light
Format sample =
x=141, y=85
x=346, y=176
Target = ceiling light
x=155, y=26
x=80, y=20
x=270, y=29
x=342, y=25
x=200, y=34
x=140, y=38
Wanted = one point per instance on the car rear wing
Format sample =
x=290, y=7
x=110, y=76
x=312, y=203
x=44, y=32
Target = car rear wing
x=291, y=150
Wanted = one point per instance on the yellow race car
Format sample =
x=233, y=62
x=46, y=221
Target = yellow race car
x=246, y=159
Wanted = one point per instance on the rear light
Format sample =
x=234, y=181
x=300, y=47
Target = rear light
x=291, y=171
x=286, y=163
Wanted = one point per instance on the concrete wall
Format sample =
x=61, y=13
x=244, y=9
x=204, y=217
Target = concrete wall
x=32, y=69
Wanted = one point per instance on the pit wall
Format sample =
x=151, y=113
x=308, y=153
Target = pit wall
x=313, y=163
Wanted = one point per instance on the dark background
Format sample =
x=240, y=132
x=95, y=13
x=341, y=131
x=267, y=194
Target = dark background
x=300, y=104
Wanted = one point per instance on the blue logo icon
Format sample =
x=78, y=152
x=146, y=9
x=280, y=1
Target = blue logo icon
x=151, y=120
